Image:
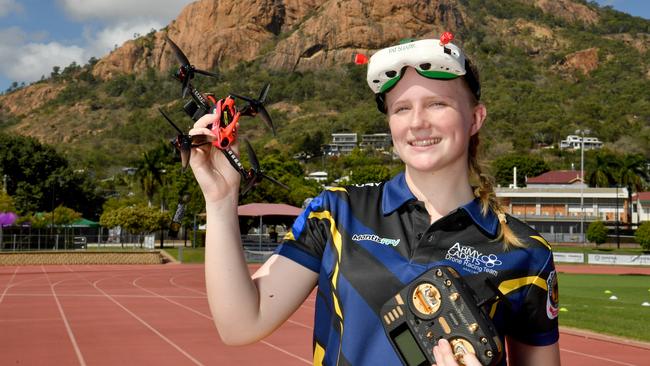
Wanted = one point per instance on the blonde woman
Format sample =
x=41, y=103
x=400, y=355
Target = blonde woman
x=360, y=245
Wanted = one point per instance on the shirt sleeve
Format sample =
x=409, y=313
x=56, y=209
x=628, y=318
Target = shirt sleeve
x=537, y=319
x=308, y=237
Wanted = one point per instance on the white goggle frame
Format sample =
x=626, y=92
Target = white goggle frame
x=429, y=57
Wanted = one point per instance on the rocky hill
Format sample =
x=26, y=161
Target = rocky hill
x=562, y=42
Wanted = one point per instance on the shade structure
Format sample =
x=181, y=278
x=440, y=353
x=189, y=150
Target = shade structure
x=85, y=223
x=268, y=209
x=277, y=211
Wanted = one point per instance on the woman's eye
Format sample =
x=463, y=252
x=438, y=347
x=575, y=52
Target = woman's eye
x=399, y=109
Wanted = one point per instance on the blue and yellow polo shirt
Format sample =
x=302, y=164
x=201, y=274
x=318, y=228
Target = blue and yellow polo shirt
x=367, y=242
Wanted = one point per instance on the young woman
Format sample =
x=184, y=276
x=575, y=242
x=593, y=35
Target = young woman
x=360, y=245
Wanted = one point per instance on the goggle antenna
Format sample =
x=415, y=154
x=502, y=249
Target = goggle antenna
x=360, y=59
x=445, y=38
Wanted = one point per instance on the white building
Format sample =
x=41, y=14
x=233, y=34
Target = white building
x=640, y=207
x=574, y=142
x=376, y=141
x=560, y=206
x=342, y=143
x=318, y=176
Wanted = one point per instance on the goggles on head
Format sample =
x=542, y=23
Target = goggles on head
x=431, y=58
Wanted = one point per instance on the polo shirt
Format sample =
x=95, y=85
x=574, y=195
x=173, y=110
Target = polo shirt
x=369, y=241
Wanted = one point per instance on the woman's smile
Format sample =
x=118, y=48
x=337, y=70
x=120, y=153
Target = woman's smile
x=425, y=142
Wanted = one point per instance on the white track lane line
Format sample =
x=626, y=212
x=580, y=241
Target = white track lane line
x=9, y=285
x=597, y=357
x=173, y=283
x=269, y=344
x=80, y=357
x=169, y=341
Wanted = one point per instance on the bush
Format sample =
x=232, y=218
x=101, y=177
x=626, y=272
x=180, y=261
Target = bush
x=642, y=235
x=597, y=232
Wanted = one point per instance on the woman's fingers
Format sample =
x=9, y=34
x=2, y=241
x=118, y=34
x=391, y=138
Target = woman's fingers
x=200, y=131
x=444, y=356
x=205, y=120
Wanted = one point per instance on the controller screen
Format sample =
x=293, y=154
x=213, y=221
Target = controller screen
x=408, y=347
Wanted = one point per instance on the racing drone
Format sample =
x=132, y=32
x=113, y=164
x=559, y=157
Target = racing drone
x=224, y=129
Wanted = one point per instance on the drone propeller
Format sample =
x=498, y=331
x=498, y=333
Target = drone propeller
x=256, y=106
x=186, y=71
x=184, y=142
x=256, y=174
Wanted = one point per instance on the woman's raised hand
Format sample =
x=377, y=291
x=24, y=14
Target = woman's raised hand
x=216, y=177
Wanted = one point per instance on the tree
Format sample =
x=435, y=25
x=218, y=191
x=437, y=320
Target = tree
x=369, y=174
x=642, y=235
x=527, y=166
x=597, y=232
x=631, y=174
x=40, y=179
x=602, y=172
x=6, y=202
x=150, y=171
x=136, y=219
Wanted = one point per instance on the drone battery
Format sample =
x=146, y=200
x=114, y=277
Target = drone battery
x=439, y=304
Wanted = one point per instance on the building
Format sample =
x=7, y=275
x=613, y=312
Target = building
x=376, y=141
x=318, y=176
x=561, y=207
x=342, y=143
x=640, y=207
x=574, y=142
x=556, y=179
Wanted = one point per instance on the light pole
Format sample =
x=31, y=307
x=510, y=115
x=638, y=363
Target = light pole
x=618, y=236
x=582, y=181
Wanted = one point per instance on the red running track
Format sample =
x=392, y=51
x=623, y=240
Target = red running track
x=158, y=314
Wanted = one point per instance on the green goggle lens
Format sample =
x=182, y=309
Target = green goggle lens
x=426, y=73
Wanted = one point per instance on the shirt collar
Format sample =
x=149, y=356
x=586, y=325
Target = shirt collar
x=396, y=193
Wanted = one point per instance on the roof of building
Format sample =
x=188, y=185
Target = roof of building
x=556, y=177
x=641, y=196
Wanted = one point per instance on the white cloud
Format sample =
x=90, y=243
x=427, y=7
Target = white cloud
x=9, y=6
x=124, y=10
x=22, y=60
x=100, y=43
x=25, y=57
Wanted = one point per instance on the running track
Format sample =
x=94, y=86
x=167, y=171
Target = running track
x=158, y=315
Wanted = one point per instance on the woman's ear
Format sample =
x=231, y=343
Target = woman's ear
x=479, y=114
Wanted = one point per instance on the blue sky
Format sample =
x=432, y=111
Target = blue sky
x=36, y=35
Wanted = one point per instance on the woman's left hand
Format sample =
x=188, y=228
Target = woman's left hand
x=445, y=356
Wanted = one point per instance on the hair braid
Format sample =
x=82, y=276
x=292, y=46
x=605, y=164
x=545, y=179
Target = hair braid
x=485, y=192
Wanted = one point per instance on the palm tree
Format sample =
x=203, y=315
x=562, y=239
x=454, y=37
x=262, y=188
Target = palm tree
x=633, y=175
x=603, y=172
x=150, y=173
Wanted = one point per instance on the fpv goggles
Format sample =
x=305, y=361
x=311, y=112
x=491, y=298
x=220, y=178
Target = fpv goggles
x=431, y=58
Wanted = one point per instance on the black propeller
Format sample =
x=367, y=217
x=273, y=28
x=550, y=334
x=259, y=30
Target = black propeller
x=256, y=173
x=184, y=142
x=187, y=70
x=256, y=106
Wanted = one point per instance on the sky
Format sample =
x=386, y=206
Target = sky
x=36, y=35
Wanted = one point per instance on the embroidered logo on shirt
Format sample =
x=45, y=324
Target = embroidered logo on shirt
x=376, y=239
x=472, y=260
x=552, y=296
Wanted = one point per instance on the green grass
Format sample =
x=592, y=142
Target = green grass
x=595, y=250
x=589, y=307
x=190, y=255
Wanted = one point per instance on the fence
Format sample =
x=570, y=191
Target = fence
x=17, y=238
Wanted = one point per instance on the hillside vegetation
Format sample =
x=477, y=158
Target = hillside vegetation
x=543, y=77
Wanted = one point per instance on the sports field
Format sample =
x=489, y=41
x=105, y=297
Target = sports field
x=612, y=304
x=158, y=315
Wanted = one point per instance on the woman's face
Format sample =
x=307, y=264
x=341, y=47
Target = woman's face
x=431, y=122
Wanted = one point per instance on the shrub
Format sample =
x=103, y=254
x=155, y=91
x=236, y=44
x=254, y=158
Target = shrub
x=642, y=235
x=597, y=232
